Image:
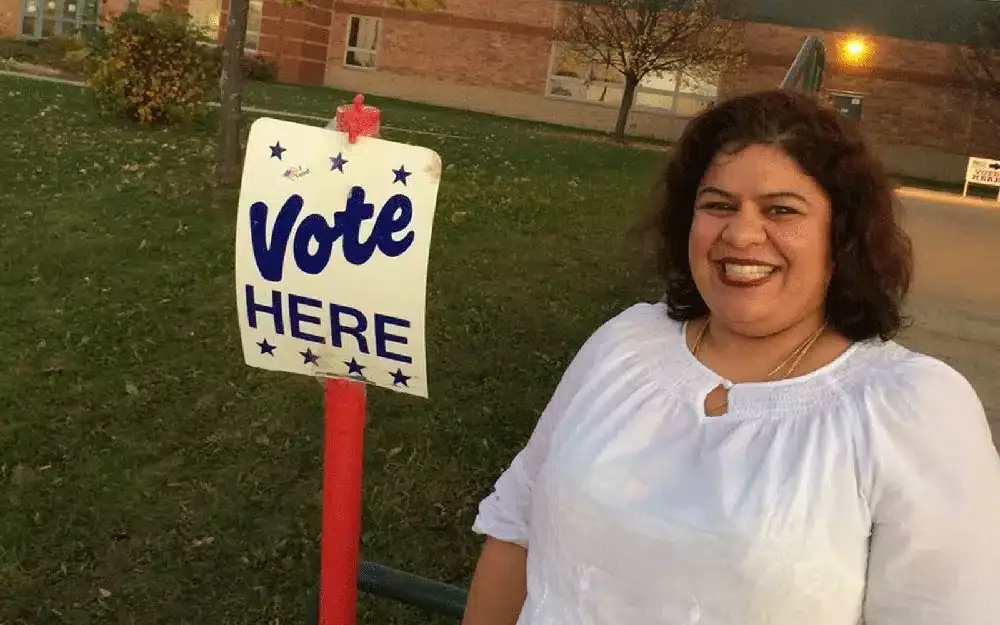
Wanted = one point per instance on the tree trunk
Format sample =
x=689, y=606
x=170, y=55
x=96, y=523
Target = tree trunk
x=627, y=98
x=230, y=155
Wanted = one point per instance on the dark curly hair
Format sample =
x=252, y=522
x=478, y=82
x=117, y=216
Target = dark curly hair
x=871, y=254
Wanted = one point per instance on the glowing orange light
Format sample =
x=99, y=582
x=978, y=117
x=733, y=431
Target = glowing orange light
x=856, y=50
x=855, y=47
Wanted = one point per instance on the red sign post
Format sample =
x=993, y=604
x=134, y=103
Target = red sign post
x=343, y=452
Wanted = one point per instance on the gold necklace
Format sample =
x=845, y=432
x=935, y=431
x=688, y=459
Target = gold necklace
x=797, y=354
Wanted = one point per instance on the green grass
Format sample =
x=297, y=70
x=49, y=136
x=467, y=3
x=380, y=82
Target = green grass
x=148, y=476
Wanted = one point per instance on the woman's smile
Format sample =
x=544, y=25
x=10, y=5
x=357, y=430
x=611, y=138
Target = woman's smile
x=744, y=273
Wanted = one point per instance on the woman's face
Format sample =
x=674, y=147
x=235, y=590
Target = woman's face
x=760, y=241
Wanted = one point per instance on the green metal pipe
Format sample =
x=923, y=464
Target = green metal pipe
x=388, y=583
x=434, y=596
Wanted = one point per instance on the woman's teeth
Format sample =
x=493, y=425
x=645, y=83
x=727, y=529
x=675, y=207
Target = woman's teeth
x=747, y=272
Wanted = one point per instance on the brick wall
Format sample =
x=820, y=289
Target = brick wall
x=10, y=12
x=533, y=13
x=914, y=93
x=511, y=60
x=296, y=38
x=111, y=8
x=984, y=129
x=474, y=42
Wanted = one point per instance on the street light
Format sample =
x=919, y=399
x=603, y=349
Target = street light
x=855, y=50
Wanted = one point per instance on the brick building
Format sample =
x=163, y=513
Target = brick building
x=500, y=57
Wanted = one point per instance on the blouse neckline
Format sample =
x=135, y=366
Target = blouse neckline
x=826, y=371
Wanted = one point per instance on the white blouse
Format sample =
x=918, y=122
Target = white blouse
x=867, y=491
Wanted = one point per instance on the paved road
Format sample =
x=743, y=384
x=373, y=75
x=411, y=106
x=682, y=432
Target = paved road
x=955, y=302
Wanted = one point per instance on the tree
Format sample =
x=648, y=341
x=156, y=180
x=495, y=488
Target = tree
x=639, y=38
x=979, y=62
x=230, y=155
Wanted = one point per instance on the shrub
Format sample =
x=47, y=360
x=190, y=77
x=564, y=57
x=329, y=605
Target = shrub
x=64, y=53
x=259, y=68
x=255, y=67
x=151, y=67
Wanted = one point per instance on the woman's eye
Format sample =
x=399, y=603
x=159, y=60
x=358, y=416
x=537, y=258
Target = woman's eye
x=717, y=206
x=782, y=210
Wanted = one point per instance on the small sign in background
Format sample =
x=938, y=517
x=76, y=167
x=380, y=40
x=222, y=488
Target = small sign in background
x=982, y=171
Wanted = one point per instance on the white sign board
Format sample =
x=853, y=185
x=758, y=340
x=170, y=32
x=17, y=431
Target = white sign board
x=982, y=171
x=332, y=243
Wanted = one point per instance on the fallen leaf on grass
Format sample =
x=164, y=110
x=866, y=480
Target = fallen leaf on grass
x=20, y=475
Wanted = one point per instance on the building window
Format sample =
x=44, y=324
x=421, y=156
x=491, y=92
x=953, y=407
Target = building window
x=362, y=41
x=48, y=18
x=254, y=18
x=574, y=77
x=206, y=15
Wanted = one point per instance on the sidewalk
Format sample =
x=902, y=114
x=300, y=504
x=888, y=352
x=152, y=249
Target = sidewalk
x=944, y=199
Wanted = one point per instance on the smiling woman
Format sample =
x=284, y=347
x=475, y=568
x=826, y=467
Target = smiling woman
x=820, y=188
x=754, y=449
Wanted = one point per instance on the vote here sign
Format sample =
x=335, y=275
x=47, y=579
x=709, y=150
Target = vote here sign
x=332, y=245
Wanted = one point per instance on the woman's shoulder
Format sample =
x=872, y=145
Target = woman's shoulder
x=641, y=323
x=640, y=334
x=892, y=366
x=908, y=388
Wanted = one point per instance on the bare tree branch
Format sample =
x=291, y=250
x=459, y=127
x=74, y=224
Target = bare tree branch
x=641, y=37
x=979, y=65
x=980, y=61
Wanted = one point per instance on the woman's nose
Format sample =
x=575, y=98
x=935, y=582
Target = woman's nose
x=745, y=227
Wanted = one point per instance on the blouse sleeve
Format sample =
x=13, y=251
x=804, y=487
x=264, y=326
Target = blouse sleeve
x=935, y=501
x=505, y=512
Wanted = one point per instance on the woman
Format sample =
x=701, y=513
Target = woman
x=755, y=449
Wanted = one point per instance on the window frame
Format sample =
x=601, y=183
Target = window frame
x=348, y=49
x=677, y=94
x=246, y=41
x=76, y=22
x=210, y=30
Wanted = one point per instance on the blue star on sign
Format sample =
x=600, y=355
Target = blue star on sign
x=398, y=378
x=353, y=368
x=309, y=358
x=266, y=348
x=277, y=150
x=401, y=175
x=337, y=162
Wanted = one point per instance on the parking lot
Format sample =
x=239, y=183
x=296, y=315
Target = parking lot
x=955, y=302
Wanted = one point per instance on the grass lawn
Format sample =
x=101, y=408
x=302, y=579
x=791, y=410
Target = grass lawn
x=148, y=476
